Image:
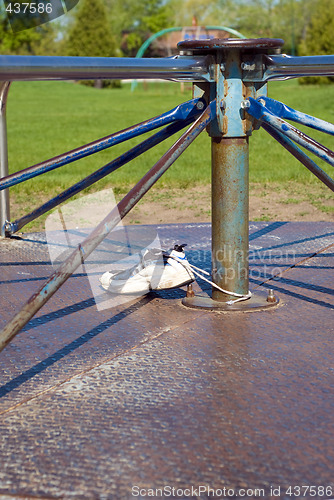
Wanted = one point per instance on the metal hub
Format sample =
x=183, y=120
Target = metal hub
x=253, y=44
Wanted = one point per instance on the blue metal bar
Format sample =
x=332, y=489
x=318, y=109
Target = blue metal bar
x=283, y=111
x=189, y=109
x=54, y=282
x=261, y=113
x=283, y=67
x=13, y=227
x=300, y=155
x=180, y=68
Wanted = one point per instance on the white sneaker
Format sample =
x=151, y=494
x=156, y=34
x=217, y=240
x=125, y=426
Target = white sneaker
x=152, y=273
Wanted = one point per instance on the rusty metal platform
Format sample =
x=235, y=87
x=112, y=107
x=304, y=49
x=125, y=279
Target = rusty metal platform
x=132, y=401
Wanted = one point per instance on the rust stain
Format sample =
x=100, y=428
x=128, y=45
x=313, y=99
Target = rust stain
x=248, y=90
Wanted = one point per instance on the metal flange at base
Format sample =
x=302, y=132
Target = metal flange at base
x=257, y=302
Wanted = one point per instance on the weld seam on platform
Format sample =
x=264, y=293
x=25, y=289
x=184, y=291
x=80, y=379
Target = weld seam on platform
x=93, y=367
x=280, y=273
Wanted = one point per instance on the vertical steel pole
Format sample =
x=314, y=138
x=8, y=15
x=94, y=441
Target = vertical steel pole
x=233, y=63
x=230, y=268
x=229, y=146
x=4, y=195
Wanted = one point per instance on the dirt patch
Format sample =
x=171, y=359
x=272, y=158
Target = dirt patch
x=268, y=202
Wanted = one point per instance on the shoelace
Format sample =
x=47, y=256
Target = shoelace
x=195, y=270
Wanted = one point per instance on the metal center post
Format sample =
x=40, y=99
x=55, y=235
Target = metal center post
x=233, y=61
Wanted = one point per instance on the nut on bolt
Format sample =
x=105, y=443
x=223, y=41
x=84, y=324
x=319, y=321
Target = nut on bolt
x=271, y=297
x=245, y=104
x=248, y=66
x=190, y=291
x=8, y=228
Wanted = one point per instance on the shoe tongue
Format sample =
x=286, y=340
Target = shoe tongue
x=179, y=248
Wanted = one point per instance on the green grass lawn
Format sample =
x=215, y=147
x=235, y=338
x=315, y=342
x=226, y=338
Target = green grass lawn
x=48, y=118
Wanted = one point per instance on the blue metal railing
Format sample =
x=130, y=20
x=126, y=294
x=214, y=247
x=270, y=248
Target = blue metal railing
x=270, y=114
x=231, y=75
x=262, y=111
